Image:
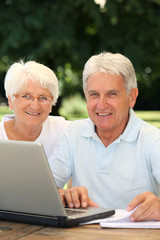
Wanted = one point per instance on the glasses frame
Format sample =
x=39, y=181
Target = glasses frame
x=32, y=98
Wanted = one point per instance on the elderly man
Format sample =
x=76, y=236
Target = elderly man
x=113, y=154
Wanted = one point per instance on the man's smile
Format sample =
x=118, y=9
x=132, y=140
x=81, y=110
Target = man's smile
x=33, y=113
x=104, y=114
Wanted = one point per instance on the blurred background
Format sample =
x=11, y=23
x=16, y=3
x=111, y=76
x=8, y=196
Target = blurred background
x=64, y=34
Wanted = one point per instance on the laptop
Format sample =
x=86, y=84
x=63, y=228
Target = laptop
x=28, y=192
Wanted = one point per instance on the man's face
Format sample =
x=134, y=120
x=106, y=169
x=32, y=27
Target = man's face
x=108, y=103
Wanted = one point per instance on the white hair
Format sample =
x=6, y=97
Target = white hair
x=110, y=63
x=20, y=73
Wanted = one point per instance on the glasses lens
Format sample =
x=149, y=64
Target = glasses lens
x=26, y=97
x=44, y=99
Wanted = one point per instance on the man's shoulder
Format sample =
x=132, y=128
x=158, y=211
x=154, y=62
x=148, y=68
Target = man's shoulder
x=81, y=123
x=139, y=127
x=149, y=131
x=78, y=126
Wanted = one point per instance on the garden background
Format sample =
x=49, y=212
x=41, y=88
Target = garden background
x=64, y=34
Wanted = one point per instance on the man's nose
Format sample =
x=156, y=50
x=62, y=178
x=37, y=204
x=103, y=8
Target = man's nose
x=102, y=102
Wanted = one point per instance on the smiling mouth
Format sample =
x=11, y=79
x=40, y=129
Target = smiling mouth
x=33, y=114
x=104, y=114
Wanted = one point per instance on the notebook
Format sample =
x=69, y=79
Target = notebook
x=28, y=192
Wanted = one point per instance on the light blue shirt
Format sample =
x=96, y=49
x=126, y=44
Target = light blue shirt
x=113, y=175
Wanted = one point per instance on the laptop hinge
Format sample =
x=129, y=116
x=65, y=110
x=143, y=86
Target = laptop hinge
x=62, y=221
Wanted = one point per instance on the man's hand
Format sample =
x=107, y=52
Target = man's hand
x=148, y=207
x=76, y=197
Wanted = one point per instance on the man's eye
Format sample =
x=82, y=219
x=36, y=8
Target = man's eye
x=93, y=94
x=112, y=94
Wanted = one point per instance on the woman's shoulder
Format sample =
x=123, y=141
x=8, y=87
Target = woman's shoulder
x=7, y=117
x=56, y=122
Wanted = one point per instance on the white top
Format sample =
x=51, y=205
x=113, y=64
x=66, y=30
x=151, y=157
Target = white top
x=50, y=134
x=113, y=175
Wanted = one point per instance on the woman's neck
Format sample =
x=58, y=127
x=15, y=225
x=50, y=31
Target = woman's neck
x=15, y=131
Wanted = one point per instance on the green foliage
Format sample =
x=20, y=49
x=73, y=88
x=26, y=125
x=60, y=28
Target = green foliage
x=4, y=110
x=64, y=34
x=70, y=80
x=74, y=108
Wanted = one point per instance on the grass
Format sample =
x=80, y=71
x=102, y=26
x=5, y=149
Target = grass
x=4, y=110
x=152, y=117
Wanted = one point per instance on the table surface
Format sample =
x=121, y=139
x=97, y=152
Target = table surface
x=12, y=230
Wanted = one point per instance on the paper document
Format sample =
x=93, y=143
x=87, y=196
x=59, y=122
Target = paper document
x=121, y=220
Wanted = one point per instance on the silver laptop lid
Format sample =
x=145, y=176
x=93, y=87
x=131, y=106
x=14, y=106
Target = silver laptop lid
x=26, y=182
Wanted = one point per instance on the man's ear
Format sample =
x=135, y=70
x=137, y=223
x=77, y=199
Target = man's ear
x=10, y=103
x=133, y=96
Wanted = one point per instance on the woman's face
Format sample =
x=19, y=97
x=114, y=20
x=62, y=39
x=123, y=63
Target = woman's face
x=31, y=112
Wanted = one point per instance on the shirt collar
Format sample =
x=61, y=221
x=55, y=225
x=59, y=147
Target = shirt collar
x=88, y=129
x=130, y=133
x=132, y=129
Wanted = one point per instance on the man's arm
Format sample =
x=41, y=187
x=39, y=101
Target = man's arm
x=76, y=197
x=148, y=207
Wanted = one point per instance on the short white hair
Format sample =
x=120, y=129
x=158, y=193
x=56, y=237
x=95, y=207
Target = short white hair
x=20, y=73
x=110, y=63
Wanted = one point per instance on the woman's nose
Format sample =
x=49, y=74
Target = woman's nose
x=35, y=103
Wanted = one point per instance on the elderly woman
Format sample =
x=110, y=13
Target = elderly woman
x=32, y=89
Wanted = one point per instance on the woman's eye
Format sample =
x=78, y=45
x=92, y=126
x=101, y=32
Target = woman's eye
x=43, y=98
x=25, y=96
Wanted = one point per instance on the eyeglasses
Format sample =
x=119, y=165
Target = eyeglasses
x=29, y=98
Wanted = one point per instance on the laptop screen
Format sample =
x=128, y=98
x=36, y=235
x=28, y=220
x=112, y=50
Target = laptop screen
x=26, y=181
